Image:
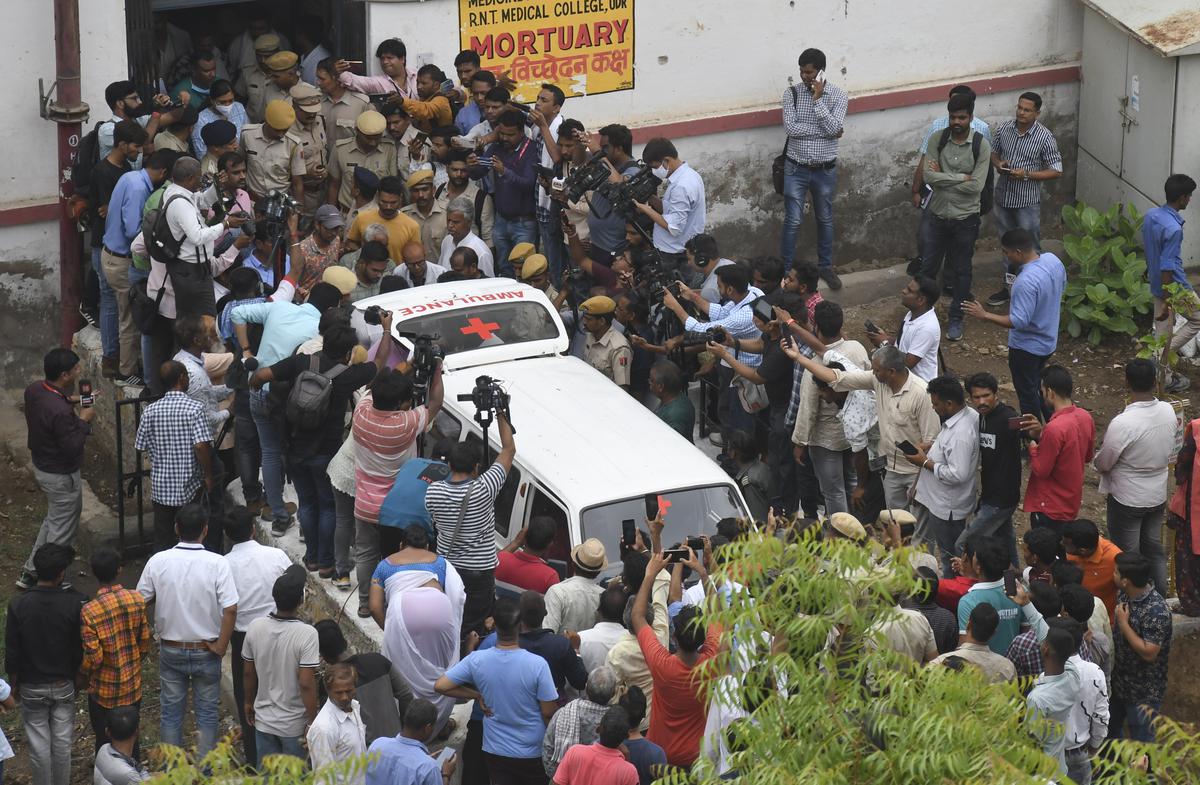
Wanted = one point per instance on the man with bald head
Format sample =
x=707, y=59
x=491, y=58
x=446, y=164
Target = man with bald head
x=417, y=270
x=464, y=262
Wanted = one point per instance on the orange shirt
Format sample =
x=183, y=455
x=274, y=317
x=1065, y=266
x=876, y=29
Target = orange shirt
x=678, y=708
x=1098, y=573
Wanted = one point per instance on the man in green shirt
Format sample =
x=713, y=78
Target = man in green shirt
x=675, y=409
x=957, y=172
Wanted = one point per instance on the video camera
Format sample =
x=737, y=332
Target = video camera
x=588, y=177
x=489, y=399
x=275, y=208
x=639, y=187
x=423, y=360
x=701, y=337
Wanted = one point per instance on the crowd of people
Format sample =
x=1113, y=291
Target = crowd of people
x=233, y=227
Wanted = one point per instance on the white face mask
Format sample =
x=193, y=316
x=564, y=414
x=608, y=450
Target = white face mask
x=225, y=110
x=660, y=172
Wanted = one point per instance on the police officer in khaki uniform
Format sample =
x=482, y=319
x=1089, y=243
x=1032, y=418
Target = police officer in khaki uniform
x=253, y=81
x=285, y=74
x=606, y=349
x=367, y=149
x=273, y=158
x=310, y=129
x=536, y=272
x=426, y=211
x=517, y=256
x=340, y=107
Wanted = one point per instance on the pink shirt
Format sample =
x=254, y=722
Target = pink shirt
x=384, y=440
x=595, y=764
x=380, y=85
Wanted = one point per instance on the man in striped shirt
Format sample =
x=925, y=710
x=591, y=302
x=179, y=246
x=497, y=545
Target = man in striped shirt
x=1024, y=153
x=463, y=511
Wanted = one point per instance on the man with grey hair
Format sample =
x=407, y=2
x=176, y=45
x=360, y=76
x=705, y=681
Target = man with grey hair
x=576, y=722
x=373, y=233
x=907, y=421
x=460, y=218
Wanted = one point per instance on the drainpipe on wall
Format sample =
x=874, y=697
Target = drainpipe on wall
x=68, y=112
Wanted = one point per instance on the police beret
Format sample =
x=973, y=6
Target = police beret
x=218, y=132
x=596, y=306
x=282, y=61
x=344, y=279
x=267, y=42
x=535, y=264
x=307, y=96
x=902, y=517
x=520, y=251
x=365, y=177
x=418, y=177
x=370, y=123
x=280, y=115
x=848, y=526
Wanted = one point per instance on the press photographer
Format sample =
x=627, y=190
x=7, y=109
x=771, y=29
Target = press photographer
x=683, y=212
x=607, y=228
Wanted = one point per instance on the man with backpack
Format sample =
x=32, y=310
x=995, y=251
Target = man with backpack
x=958, y=171
x=314, y=418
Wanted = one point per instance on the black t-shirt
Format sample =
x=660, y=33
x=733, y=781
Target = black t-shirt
x=999, y=458
x=327, y=439
x=776, y=370
x=104, y=181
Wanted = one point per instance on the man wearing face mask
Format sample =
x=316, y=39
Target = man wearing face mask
x=273, y=154
x=197, y=86
x=365, y=150
x=417, y=270
x=683, y=208
x=222, y=106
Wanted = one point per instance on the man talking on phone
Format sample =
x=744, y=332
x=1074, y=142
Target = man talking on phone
x=812, y=116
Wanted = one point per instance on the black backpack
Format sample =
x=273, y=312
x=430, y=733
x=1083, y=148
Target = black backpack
x=161, y=243
x=985, y=197
x=308, y=402
x=87, y=155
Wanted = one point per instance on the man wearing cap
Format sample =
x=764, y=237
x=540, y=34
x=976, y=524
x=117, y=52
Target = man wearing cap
x=222, y=107
x=571, y=604
x=417, y=270
x=460, y=217
x=426, y=211
x=220, y=137
x=314, y=143
x=258, y=23
x=321, y=249
x=364, y=186
x=517, y=256
x=340, y=106
x=536, y=272
x=367, y=150
x=606, y=350
x=254, y=79
x=284, y=73
x=176, y=135
x=273, y=159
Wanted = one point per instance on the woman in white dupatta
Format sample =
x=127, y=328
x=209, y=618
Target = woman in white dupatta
x=417, y=599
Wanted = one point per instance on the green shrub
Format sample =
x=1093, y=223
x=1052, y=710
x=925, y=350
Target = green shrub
x=1106, y=283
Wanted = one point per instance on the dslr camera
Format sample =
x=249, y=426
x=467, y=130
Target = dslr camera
x=374, y=315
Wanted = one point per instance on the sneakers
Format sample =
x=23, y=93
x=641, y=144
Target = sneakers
x=130, y=380
x=325, y=573
x=954, y=332
x=1177, y=383
x=27, y=581
x=341, y=581
x=279, y=528
x=364, y=611
x=999, y=298
x=91, y=316
x=716, y=439
x=830, y=278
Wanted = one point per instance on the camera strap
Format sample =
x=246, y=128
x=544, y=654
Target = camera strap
x=462, y=514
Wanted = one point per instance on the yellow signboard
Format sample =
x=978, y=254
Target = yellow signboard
x=583, y=46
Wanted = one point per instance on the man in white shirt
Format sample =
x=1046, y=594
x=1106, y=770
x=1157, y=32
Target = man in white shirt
x=1138, y=445
x=594, y=644
x=704, y=257
x=195, y=606
x=338, y=733
x=417, y=270
x=460, y=216
x=946, y=485
x=1087, y=725
x=571, y=604
x=546, y=118
x=255, y=568
x=684, y=211
x=921, y=333
x=1055, y=693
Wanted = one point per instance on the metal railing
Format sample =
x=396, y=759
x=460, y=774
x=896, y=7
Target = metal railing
x=130, y=483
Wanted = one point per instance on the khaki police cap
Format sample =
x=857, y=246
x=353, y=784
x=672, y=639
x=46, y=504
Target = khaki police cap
x=306, y=96
x=280, y=115
x=282, y=61
x=535, y=264
x=597, y=306
x=418, y=177
x=520, y=251
x=370, y=123
x=848, y=526
x=267, y=42
x=344, y=279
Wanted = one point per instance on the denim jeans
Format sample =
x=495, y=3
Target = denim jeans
x=271, y=443
x=992, y=521
x=343, y=533
x=64, y=506
x=946, y=532
x=952, y=242
x=1026, y=371
x=1136, y=716
x=270, y=744
x=136, y=276
x=835, y=471
x=110, y=327
x=782, y=461
x=315, y=507
x=798, y=181
x=1028, y=218
x=179, y=669
x=1079, y=766
x=508, y=233
x=1139, y=529
x=247, y=455
x=731, y=414
x=552, y=247
x=48, y=715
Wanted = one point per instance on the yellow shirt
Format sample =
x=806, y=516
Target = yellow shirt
x=401, y=230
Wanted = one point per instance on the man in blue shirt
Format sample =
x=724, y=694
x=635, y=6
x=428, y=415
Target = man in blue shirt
x=1162, y=236
x=512, y=177
x=404, y=759
x=1033, y=315
x=518, y=699
x=683, y=212
x=260, y=259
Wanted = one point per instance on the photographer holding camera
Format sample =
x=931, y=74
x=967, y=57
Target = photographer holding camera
x=683, y=208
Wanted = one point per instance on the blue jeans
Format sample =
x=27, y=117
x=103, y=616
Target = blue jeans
x=797, y=182
x=1028, y=218
x=179, y=669
x=508, y=233
x=270, y=440
x=136, y=276
x=1026, y=369
x=953, y=242
x=1122, y=713
x=552, y=246
x=992, y=521
x=270, y=744
x=110, y=326
x=48, y=717
x=246, y=454
x=947, y=533
x=316, y=508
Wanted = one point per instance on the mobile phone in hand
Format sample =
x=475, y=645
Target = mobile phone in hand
x=628, y=532
x=906, y=447
x=1015, y=423
x=695, y=543
x=676, y=555
x=871, y=326
x=1010, y=582
x=651, y=506
x=86, y=398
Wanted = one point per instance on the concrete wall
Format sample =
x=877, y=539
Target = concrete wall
x=29, y=260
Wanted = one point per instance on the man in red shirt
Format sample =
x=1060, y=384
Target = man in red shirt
x=601, y=763
x=523, y=565
x=1061, y=450
x=678, y=710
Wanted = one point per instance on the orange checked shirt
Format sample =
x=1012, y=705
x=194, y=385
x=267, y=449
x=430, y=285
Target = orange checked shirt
x=116, y=636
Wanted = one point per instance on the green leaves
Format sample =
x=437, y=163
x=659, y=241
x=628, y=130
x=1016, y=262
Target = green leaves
x=1107, y=287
